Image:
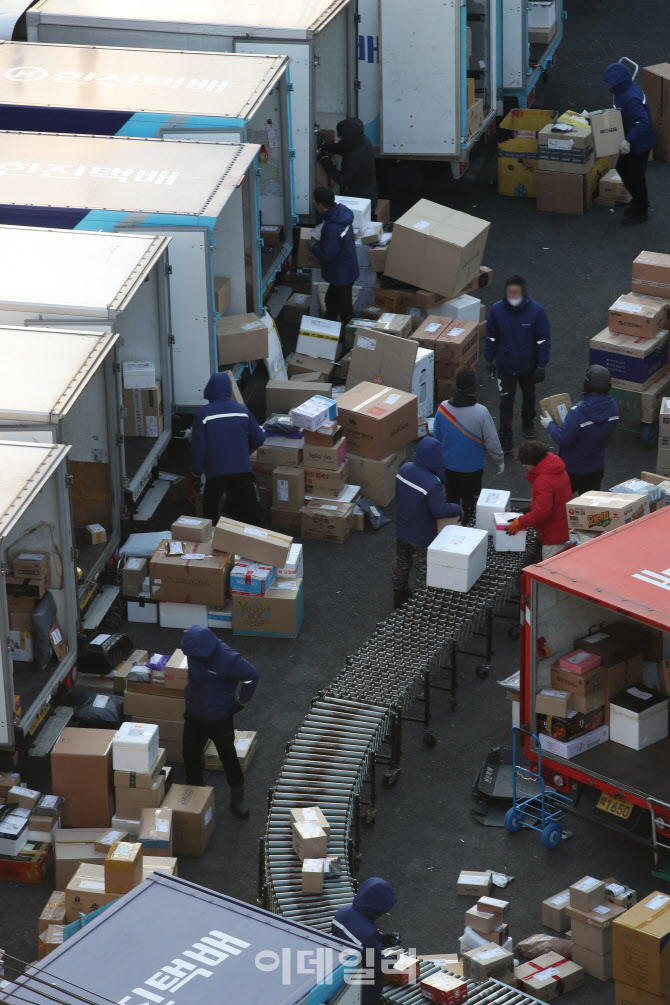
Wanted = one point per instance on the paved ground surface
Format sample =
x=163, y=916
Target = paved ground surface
x=424, y=832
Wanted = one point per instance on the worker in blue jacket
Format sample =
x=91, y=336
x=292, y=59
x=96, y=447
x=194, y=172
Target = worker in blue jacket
x=420, y=503
x=639, y=139
x=336, y=251
x=215, y=671
x=224, y=433
x=585, y=432
x=355, y=924
x=517, y=345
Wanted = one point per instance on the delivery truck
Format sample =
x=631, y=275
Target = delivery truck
x=38, y=599
x=605, y=737
x=531, y=34
x=319, y=36
x=211, y=96
x=203, y=196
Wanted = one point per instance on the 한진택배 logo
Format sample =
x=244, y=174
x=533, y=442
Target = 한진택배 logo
x=26, y=73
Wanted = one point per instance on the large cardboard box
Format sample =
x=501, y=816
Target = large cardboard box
x=602, y=511
x=299, y=363
x=382, y=359
x=651, y=274
x=453, y=341
x=642, y=405
x=192, y=817
x=518, y=156
x=626, y=994
x=329, y=457
x=565, y=151
x=638, y=315
x=592, y=930
x=283, y=395
x=241, y=337
x=178, y=580
x=144, y=411
x=608, y=132
x=326, y=521
x=72, y=846
x=255, y=543
x=436, y=248
x=377, y=421
x=288, y=488
x=152, y=707
x=376, y=478
x=563, y=191
x=279, y=614
x=555, y=911
x=656, y=86
x=86, y=892
x=325, y=483
x=548, y=975
x=81, y=771
x=487, y=960
x=475, y=117
x=641, y=945
x=631, y=360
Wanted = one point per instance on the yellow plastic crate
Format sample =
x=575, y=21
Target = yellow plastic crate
x=517, y=157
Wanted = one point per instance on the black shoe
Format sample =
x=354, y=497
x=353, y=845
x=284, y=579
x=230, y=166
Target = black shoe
x=401, y=597
x=237, y=803
x=529, y=430
x=506, y=441
x=634, y=218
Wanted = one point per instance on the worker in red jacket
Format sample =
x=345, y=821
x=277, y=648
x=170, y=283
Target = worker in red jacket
x=550, y=492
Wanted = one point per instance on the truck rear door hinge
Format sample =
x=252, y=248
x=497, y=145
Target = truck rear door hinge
x=69, y=481
x=120, y=438
x=4, y=569
x=357, y=85
x=317, y=61
x=170, y=339
x=116, y=367
x=74, y=554
x=168, y=270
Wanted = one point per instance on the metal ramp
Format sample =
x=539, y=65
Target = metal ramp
x=151, y=500
x=50, y=732
x=99, y=608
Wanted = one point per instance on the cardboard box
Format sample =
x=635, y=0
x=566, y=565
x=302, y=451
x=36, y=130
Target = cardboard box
x=582, y=684
x=381, y=359
x=555, y=911
x=279, y=614
x=109, y=838
x=612, y=192
x=150, y=707
x=177, y=580
x=493, y=904
x=475, y=118
x=603, y=511
x=241, y=337
x=378, y=257
x=587, y=893
x=288, y=488
x=72, y=847
x=383, y=211
x=318, y=337
x=625, y=994
x=402, y=971
x=643, y=405
x=25, y=798
x=641, y=946
x=656, y=86
x=473, y=884
x=326, y=521
x=549, y=975
x=49, y=938
x=192, y=528
x=619, y=894
x=376, y=477
x=252, y=578
x=53, y=912
x=283, y=395
x=133, y=575
x=598, y=965
x=592, y=930
x=326, y=458
x=81, y=770
x=312, y=414
x=309, y=840
x=436, y=248
x=631, y=360
x=482, y=921
x=123, y=867
x=563, y=191
x=637, y=315
x=325, y=483
x=550, y=701
x=444, y=989
x=607, y=128
x=487, y=961
x=310, y=815
x=281, y=454
x=558, y=406
x=155, y=833
x=152, y=863
x=377, y=421
x=312, y=875
x=251, y=542
x=299, y=363
x=272, y=235
x=651, y=276
x=86, y=892
x=144, y=412
x=392, y=301
x=453, y=341
x=222, y=294
x=31, y=565
x=306, y=260
x=193, y=817
x=573, y=146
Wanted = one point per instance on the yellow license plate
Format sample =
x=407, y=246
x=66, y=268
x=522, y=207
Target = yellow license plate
x=615, y=805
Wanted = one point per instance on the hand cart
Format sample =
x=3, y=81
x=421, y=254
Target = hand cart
x=543, y=811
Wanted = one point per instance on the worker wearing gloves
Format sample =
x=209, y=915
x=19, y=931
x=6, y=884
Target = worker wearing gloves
x=223, y=435
x=584, y=434
x=358, y=174
x=518, y=340
x=550, y=492
x=214, y=673
x=639, y=139
x=355, y=924
x=420, y=503
x=336, y=252
x=467, y=433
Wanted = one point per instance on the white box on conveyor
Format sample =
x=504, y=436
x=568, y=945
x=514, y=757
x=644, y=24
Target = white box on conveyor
x=457, y=558
x=490, y=502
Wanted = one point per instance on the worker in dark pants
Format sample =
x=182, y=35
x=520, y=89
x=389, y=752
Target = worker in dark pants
x=355, y=924
x=517, y=346
x=336, y=251
x=584, y=434
x=224, y=433
x=639, y=139
x=358, y=174
x=214, y=673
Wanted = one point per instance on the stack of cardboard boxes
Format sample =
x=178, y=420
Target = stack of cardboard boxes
x=487, y=919
x=26, y=587
x=566, y=158
x=656, y=86
x=139, y=775
x=142, y=399
x=159, y=701
x=310, y=831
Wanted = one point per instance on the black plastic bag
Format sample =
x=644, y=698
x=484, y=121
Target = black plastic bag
x=100, y=711
x=376, y=518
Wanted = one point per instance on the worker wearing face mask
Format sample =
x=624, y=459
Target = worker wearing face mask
x=518, y=340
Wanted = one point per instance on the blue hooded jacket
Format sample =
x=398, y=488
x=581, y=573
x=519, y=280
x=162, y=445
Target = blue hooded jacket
x=224, y=433
x=214, y=672
x=631, y=100
x=420, y=501
x=518, y=339
x=583, y=436
x=337, y=248
x=355, y=924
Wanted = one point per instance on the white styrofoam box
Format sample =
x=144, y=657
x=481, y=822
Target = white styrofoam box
x=143, y=611
x=294, y=564
x=457, y=558
x=361, y=208
x=221, y=617
x=135, y=747
x=182, y=615
x=318, y=338
x=542, y=14
x=502, y=541
x=490, y=502
x=22, y=646
x=638, y=729
x=139, y=374
x=423, y=381
x=465, y=307
x=132, y=827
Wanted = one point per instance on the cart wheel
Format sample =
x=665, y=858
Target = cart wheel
x=514, y=632
x=551, y=835
x=391, y=777
x=482, y=671
x=370, y=818
x=429, y=738
x=649, y=434
x=513, y=821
